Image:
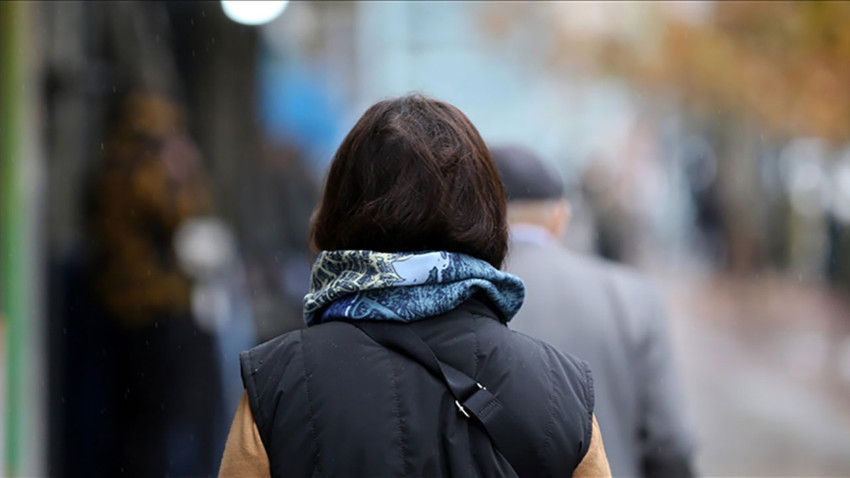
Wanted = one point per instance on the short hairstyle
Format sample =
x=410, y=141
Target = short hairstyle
x=413, y=175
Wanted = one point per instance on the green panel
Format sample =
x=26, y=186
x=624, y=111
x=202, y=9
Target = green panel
x=13, y=244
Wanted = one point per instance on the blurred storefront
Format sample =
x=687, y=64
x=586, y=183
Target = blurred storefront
x=67, y=71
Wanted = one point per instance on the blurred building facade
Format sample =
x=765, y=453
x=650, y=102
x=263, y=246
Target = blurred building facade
x=66, y=69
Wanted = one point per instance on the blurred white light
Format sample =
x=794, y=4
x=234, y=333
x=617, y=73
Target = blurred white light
x=252, y=12
x=204, y=245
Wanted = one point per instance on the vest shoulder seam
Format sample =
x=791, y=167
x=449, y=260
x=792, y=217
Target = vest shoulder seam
x=311, y=415
x=398, y=418
x=551, y=422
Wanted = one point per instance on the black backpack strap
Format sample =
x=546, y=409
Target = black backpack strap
x=472, y=398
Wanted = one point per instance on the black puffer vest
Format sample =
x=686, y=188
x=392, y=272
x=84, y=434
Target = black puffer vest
x=329, y=401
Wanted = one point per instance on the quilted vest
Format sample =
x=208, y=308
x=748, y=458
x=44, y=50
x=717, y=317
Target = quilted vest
x=329, y=401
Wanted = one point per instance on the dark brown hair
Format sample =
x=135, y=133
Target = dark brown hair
x=413, y=175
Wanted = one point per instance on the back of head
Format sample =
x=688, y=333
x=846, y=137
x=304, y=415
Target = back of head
x=413, y=175
x=525, y=176
x=535, y=191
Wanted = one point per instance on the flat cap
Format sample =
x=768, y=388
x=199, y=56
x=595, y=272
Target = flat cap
x=525, y=175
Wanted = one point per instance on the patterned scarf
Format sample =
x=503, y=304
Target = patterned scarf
x=403, y=287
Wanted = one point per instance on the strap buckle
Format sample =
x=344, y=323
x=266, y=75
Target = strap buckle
x=460, y=407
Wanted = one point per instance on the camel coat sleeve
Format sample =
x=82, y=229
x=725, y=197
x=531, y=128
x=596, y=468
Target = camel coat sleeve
x=595, y=463
x=244, y=453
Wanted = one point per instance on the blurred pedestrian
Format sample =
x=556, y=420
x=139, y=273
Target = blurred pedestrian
x=407, y=367
x=164, y=380
x=601, y=312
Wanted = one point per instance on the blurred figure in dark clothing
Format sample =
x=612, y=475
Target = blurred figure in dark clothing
x=613, y=224
x=165, y=382
x=278, y=205
x=701, y=173
x=601, y=312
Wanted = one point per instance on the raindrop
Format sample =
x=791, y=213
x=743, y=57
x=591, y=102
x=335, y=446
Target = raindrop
x=101, y=146
x=192, y=22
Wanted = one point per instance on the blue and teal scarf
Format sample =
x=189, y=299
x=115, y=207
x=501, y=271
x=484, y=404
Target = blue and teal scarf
x=404, y=287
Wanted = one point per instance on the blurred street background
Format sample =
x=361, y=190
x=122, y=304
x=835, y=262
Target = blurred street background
x=159, y=163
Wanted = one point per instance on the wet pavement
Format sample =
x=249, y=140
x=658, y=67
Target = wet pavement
x=766, y=369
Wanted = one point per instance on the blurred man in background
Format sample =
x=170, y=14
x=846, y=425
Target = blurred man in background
x=601, y=312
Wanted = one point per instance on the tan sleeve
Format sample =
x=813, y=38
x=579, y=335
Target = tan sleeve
x=244, y=453
x=595, y=463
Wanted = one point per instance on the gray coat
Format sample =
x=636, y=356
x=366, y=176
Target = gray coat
x=612, y=318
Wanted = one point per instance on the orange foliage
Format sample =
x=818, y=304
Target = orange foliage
x=785, y=63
